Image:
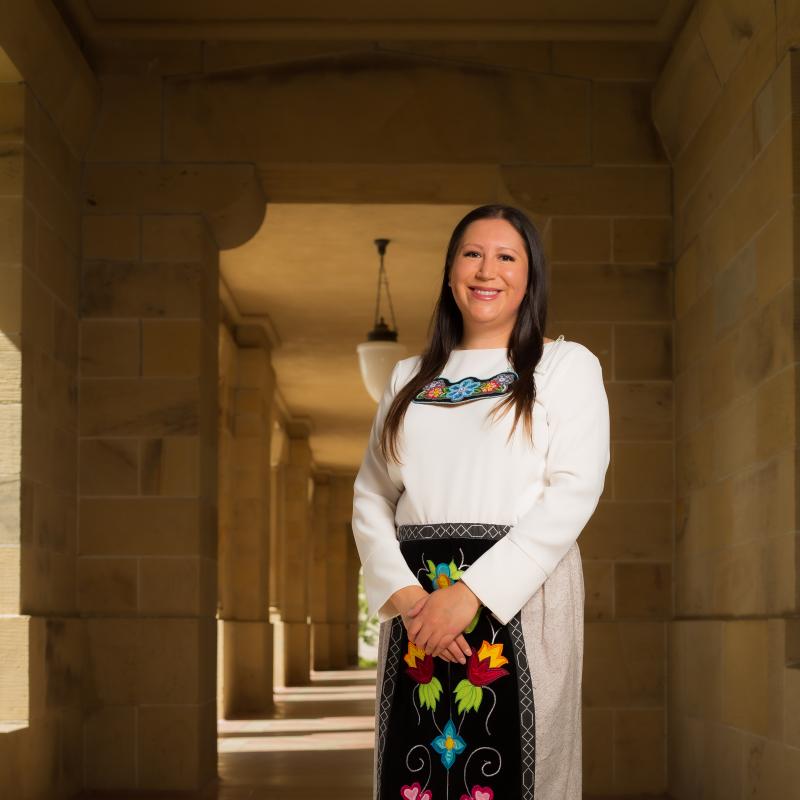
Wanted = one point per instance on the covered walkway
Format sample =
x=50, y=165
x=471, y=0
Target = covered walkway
x=190, y=191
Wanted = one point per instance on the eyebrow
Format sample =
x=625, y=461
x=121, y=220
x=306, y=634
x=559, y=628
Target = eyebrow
x=502, y=246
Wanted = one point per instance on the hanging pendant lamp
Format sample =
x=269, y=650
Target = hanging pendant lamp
x=378, y=355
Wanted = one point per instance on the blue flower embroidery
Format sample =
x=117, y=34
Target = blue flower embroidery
x=462, y=389
x=450, y=744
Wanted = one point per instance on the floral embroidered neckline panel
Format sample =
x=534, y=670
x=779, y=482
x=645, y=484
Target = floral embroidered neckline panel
x=446, y=392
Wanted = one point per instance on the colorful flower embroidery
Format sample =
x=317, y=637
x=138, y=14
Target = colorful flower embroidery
x=441, y=390
x=420, y=669
x=479, y=793
x=414, y=792
x=440, y=734
x=449, y=745
x=442, y=575
x=483, y=667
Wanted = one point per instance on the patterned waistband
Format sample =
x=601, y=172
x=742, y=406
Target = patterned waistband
x=451, y=530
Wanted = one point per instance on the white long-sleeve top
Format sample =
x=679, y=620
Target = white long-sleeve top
x=458, y=467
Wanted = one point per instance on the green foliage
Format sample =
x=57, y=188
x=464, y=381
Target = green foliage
x=368, y=627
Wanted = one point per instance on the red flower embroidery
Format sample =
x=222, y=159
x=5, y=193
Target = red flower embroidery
x=420, y=664
x=485, y=665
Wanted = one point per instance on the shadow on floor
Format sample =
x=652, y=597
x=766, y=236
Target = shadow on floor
x=317, y=746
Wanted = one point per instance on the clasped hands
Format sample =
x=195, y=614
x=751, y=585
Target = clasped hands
x=435, y=621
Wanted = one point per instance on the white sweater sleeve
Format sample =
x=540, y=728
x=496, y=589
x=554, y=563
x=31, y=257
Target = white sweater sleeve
x=374, y=501
x=514, y=567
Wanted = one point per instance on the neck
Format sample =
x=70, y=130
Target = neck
x=484, y=340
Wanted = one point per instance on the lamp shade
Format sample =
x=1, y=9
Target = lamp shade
x=377, y=360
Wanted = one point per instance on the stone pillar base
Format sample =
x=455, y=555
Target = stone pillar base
x=292, y=654
x=320, y=645
x=338, y=645
x=247, y=667
x=351, y=641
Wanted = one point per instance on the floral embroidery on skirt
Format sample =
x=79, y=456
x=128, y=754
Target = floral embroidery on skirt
x=451, y=731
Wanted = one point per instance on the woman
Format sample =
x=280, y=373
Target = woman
x=466, y=525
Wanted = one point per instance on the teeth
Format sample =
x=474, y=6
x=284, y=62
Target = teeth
x=487, y=292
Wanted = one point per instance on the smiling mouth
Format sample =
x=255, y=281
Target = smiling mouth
x=484, y=294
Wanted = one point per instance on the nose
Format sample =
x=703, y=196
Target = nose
x=486, y=269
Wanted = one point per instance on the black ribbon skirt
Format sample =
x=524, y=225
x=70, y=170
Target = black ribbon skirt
x=451, y=731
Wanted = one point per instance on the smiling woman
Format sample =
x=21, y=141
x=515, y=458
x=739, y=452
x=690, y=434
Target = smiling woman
x=468, y=542
x=489, y=278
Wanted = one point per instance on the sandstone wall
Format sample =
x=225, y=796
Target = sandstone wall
x=41, y=635
x=724, y=106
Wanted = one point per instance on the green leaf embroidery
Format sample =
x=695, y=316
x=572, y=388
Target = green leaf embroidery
x=468, y=695
x=429, y=693
x=471, y=626
x=432, y=567
x=455, y=573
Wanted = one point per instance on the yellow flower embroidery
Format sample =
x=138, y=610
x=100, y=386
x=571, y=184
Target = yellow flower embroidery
x=413, y=655
x=494, y=652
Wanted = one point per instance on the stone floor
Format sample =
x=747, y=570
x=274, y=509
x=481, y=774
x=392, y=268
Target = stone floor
x=317, y=746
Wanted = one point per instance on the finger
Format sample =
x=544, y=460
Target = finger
x=442, y=642
x=445, y=656
x=463, y=644
x=414, y=621
x=454, y=650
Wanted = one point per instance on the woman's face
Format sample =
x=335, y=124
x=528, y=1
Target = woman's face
x=490, y=257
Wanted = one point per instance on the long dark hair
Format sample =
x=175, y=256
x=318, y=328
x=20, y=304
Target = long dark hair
x=446, y=328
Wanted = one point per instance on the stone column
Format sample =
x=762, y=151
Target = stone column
x=293, y=633
x=14, y=273
x=352, y=568
x=279, y=457
x=48, y=98
x=339, y=587
x=147, y=523
x=244, y=545
x=318, y=585
x=149, y=462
